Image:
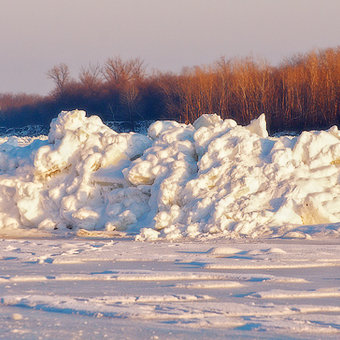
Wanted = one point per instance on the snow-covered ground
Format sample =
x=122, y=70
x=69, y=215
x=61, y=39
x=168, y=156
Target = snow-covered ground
x=122, y=289
x=242, y=231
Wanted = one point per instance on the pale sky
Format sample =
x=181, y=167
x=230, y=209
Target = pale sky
x=35, y=35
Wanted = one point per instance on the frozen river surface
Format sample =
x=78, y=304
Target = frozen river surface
x=86, y=288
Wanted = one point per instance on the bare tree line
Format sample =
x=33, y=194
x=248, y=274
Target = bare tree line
x=303, y=92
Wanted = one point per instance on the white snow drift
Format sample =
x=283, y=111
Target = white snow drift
x=210, y=178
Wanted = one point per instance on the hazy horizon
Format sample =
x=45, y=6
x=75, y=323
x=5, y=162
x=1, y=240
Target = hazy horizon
x=167, y=36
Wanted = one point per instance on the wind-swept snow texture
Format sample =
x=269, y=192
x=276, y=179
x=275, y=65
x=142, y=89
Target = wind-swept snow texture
x=210, y=179
x=121, y=289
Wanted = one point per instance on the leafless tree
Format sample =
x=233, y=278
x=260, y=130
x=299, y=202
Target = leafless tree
x=118, y=71
x=90, y=77
x=60, y=74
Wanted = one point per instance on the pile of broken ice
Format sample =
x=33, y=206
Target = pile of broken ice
x=212, y=178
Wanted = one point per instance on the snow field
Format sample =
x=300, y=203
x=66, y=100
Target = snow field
x=111, y=288
x=210, y=179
